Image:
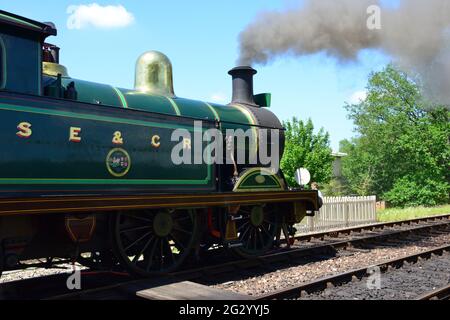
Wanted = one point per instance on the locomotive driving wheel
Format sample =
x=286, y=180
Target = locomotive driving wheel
x=154, y=241
x=256, y=229
x=1, y=260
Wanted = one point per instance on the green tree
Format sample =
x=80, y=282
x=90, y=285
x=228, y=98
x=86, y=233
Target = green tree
x=306, y=149
x=335, y=188
x=402, y=151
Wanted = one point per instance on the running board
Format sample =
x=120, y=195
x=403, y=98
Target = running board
x=66, y=204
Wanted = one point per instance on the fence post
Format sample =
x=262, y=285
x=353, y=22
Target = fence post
x=346, y=206
x=342, y=212
x=311, y=223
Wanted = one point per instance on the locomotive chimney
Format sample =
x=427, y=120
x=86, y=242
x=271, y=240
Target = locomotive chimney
x=243, y=85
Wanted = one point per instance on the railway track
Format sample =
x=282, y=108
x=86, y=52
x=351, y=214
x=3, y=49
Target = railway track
x=326, y=244
x=442, y=293
x=371, y=227
x=405, y=273
x=312, y=247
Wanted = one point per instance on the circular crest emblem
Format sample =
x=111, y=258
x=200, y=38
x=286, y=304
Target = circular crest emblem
x=118, y=162
x=260, y=179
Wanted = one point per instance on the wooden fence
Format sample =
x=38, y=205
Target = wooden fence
x=341, y=212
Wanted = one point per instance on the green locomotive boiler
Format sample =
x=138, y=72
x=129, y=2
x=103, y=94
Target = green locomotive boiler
x=87, y=170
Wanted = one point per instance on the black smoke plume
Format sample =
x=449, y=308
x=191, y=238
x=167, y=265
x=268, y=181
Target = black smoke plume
x=415, y=34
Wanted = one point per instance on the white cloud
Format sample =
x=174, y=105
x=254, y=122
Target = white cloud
x=358, y=97
x=95, y=15
x=219, y=98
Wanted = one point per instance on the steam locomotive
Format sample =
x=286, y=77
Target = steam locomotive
x=87, y=170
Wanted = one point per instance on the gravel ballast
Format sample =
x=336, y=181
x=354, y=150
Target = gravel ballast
x=405, y=283
x=345, y=260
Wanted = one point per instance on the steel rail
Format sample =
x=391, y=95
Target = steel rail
x=437, y=223
x=297, y=253
x=380, y=225
x=438, y=294
x=240, y=265
x=346, y=277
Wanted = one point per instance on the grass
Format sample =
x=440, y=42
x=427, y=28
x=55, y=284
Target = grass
x=396, y=214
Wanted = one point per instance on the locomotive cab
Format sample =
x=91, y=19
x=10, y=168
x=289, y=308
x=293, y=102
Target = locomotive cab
x=21, y=42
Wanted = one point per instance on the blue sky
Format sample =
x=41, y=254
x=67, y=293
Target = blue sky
x=200, y=38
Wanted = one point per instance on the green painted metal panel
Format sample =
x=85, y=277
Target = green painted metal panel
x=96, y=93
x=90, y=92
x=258, y=179
x=195, y=109
x=9, y=17
x=48, y=159
x=263, y=99
x=3, y=70
x=146, y=102
x=230, y=113
x=253, y=182
x=22, y=60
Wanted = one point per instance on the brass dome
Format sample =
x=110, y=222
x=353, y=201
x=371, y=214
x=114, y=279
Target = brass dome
x=53, y=69
x=154, y=74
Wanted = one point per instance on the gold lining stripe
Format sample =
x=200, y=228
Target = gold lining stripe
x=174, y=105
x=39, y=77
x=155, y=206
x=213, y=111
x=252, y=171
x=122, y=98
x=140, y=198
x=3, y=76
x=23, y=22
x=253, y=122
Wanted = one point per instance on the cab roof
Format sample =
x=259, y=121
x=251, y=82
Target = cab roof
x=25, y=24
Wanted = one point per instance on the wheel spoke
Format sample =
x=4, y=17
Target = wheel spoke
x=177, y=242
x=243, y=225
x=270, y=222
x=245, y=232
x=153, y=241
x=248, y=239
x=167, y=242
x=161, y=254
x=137, y=217
x=135, y=229
x=256, y=230
x=136, y=241
x=265, y=230
x=177, y=228
x=261, y=238
x=150, y=257
x=136, y=258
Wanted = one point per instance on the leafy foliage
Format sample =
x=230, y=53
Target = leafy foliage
x=306, y=149
x=336, y=187
x=402, y=152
